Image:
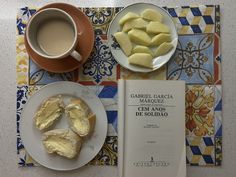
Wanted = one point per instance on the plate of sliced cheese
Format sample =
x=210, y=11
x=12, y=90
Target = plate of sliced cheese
x=63, y=126
x=142, y=37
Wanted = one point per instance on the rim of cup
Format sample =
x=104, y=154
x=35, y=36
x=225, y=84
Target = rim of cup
x=63, y=55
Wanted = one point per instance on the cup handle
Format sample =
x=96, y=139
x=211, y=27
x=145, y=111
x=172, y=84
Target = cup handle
x=76, y=55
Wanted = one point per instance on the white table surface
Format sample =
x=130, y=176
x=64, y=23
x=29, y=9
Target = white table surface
x=8, y=159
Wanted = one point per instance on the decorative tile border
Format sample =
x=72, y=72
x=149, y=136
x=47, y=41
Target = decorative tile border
x=218, y=151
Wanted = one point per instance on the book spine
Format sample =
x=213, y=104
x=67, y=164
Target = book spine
x=121, y=115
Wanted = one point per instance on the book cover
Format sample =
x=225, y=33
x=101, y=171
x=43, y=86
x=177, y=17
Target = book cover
x=151, y=128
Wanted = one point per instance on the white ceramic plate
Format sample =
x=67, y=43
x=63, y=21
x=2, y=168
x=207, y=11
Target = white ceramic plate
x=31, y=136
x=114, y=27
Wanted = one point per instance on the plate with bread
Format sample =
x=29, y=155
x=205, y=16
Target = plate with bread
x=142, y=37
x=63, y=126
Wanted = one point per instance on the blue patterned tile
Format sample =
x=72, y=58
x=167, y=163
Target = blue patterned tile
x=20, y=26
x=208, y=141
x=195, y=150
x=23, y=17
x=42, y=77
x=112, y=119
x=196, y=11
x=183, y=21
x=218, y=123
x=219, y=131
x=218, y=98
x=108, y=92
x=219, y=106
x=193, y=60
x=108, y=97
x=208, y=20
x=172, y=12
x=196, y=28
x=200, y=151
x=208, y=159
x=26, y=12
x=101, y=18
x=101, y=63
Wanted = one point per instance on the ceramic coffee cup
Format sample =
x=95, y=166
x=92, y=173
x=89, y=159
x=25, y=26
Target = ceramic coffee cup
x=52, y=34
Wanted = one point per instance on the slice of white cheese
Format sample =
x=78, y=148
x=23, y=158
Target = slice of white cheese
x=127, y=17
x=138, y=23
x=62, y=142
x=139, y=37
x=163, y=49
x=157, y=27
x=50, y=111
x=141, y=59
x=142, y=49
x=160, y=38
x=124, y=42
x=152, y=15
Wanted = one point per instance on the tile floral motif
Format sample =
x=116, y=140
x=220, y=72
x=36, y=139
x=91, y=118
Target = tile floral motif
x=108, y=154
x=23, y=16
x=200, y=151
x=193, y=60
x=42, y=77
x=101, y=66
x=25, y=160
x=101, y=18
x=199, y=110
x=159, y=74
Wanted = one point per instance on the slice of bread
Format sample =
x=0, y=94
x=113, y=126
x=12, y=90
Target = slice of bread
x=63, y=142
x=80, y=117
x=49, y=111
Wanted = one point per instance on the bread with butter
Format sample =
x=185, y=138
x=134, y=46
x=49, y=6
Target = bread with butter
x=49, y=112
x=63, y=142
x=81, y=119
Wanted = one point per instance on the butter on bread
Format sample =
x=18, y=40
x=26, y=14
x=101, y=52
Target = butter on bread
x=50, y=111
x=63, y=142
x=80, y=117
